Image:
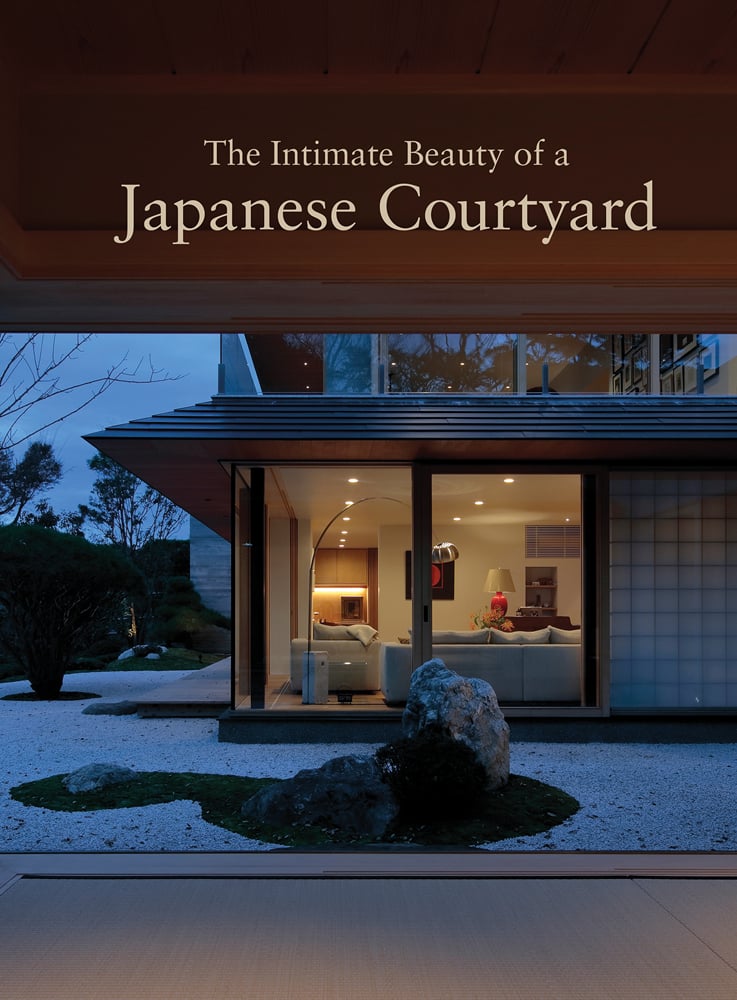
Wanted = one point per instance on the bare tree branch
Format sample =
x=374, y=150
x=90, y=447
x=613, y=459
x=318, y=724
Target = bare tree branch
x=34, y=368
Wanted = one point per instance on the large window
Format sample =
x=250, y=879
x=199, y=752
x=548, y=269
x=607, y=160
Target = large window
x=519, y=572
x=339, y=575
x=496, y=363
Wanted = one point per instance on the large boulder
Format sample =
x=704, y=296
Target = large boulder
x=346, y=794
x=467, y=709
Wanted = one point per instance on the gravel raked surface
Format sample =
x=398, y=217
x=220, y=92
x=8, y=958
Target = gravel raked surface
x=633, y=797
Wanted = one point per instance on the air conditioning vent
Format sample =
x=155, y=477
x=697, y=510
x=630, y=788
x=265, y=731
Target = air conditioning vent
x=552, y=541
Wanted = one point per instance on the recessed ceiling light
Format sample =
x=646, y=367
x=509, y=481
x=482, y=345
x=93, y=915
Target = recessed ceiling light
x=568, y=520
x=456, y=518
x=346, y=519
x=509, y=479
x=478, y=503
x=344, y=532
x=352, y=480
x=348, y=503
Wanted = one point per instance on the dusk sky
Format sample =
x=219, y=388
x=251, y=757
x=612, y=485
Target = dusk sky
x=193, y=357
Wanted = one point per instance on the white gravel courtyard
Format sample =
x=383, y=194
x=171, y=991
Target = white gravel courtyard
x=634, y=797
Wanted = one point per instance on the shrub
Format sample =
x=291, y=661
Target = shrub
x=181, y=613
x=432, y=775
x=58, y=594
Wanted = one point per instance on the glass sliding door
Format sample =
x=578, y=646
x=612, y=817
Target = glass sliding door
x=334, y=578
x=509, y=609
x=241, y=571
x=356, y=566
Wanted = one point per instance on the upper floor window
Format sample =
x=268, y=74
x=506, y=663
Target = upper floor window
x=495, y=363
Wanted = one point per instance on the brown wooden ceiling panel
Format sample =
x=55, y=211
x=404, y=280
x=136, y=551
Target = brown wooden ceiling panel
x=366, y=40
x=96, y=44
x=279, y=36
x=693, y=37
x=370, y=36
x=81, y=37
x=202, y=44
x=554, y=36
x=440, y=37
x=31, y=38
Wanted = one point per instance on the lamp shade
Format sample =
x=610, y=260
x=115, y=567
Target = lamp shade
x=498, y=580
x=444, y=552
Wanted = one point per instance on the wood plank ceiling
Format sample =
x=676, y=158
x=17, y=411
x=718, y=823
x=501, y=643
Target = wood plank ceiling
x=371, y=37
x=76, y=70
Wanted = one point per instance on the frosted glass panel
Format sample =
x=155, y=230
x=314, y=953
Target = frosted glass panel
x=673, y=604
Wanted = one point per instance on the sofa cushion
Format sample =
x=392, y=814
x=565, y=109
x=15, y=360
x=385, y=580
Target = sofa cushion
x=331, y=632
x=565, y=636
x=476, y=637
x=366, y=634
x=536, y=638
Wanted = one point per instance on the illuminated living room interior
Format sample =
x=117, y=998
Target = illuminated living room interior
x=353, y=541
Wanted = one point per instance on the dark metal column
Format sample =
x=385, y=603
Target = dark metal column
x=421, y=564
x=594, y=605
x=258, y=588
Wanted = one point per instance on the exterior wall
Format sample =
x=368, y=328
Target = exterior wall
x=209, y=554
x=209, y=566
x=237, y=376
x=673, y=572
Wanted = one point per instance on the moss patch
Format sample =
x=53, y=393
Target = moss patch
x=173, y=659
x=523, y=808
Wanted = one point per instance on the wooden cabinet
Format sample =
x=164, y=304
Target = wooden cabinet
x=341, y=568
x=541, y=591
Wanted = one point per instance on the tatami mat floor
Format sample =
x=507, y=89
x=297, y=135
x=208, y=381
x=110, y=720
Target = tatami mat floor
x=389, y=925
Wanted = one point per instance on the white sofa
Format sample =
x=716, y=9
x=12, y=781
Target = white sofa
x=353, y=657
x=522, y=667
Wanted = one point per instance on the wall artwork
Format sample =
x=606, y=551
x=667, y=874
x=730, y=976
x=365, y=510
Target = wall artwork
x=443, y=579
x=709, y=358
x=630, y=364
x=680, y=356
x=351, y=609
x=685, y=343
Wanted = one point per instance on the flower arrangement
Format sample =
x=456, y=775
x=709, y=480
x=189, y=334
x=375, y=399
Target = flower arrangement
x=491, y=618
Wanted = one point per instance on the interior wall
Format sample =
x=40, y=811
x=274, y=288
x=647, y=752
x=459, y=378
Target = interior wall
x=279, y=585
x=304, y=555
x=395, y=614
x=481, y=548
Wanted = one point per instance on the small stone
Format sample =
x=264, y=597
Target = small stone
x=127, y=654
x=111, y=708
x=93, y=777
x=153, y=656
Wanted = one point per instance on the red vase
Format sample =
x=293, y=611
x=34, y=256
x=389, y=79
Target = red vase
x=499, y=601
